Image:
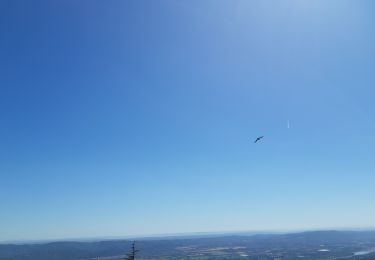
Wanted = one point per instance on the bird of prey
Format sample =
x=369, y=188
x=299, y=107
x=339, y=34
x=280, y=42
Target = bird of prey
x=258, y=139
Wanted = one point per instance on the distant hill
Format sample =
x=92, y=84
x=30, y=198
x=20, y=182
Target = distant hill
x=309, y=245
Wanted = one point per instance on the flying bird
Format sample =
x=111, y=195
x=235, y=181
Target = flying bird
x=258, y=139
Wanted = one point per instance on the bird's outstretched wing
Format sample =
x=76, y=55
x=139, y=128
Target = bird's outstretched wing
x=256, y=140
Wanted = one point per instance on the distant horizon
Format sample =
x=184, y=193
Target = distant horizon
x=183, y=235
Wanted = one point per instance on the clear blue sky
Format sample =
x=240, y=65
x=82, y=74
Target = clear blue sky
x=123, y=118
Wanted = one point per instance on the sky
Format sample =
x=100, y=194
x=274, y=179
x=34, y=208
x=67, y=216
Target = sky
x=132, y=118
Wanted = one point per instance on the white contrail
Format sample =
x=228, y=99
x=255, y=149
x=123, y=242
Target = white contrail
x=288, y=125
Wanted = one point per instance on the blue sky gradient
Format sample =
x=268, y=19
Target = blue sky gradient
x=123, y=118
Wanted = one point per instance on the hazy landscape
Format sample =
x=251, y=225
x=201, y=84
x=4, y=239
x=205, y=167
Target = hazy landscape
x=305, y=245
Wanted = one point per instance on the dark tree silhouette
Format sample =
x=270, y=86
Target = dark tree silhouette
x=133, y=252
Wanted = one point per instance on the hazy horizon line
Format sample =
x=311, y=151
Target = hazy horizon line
x=179, y=235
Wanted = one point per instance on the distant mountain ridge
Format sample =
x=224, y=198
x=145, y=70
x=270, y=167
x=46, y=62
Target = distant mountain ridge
x=314, y=244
